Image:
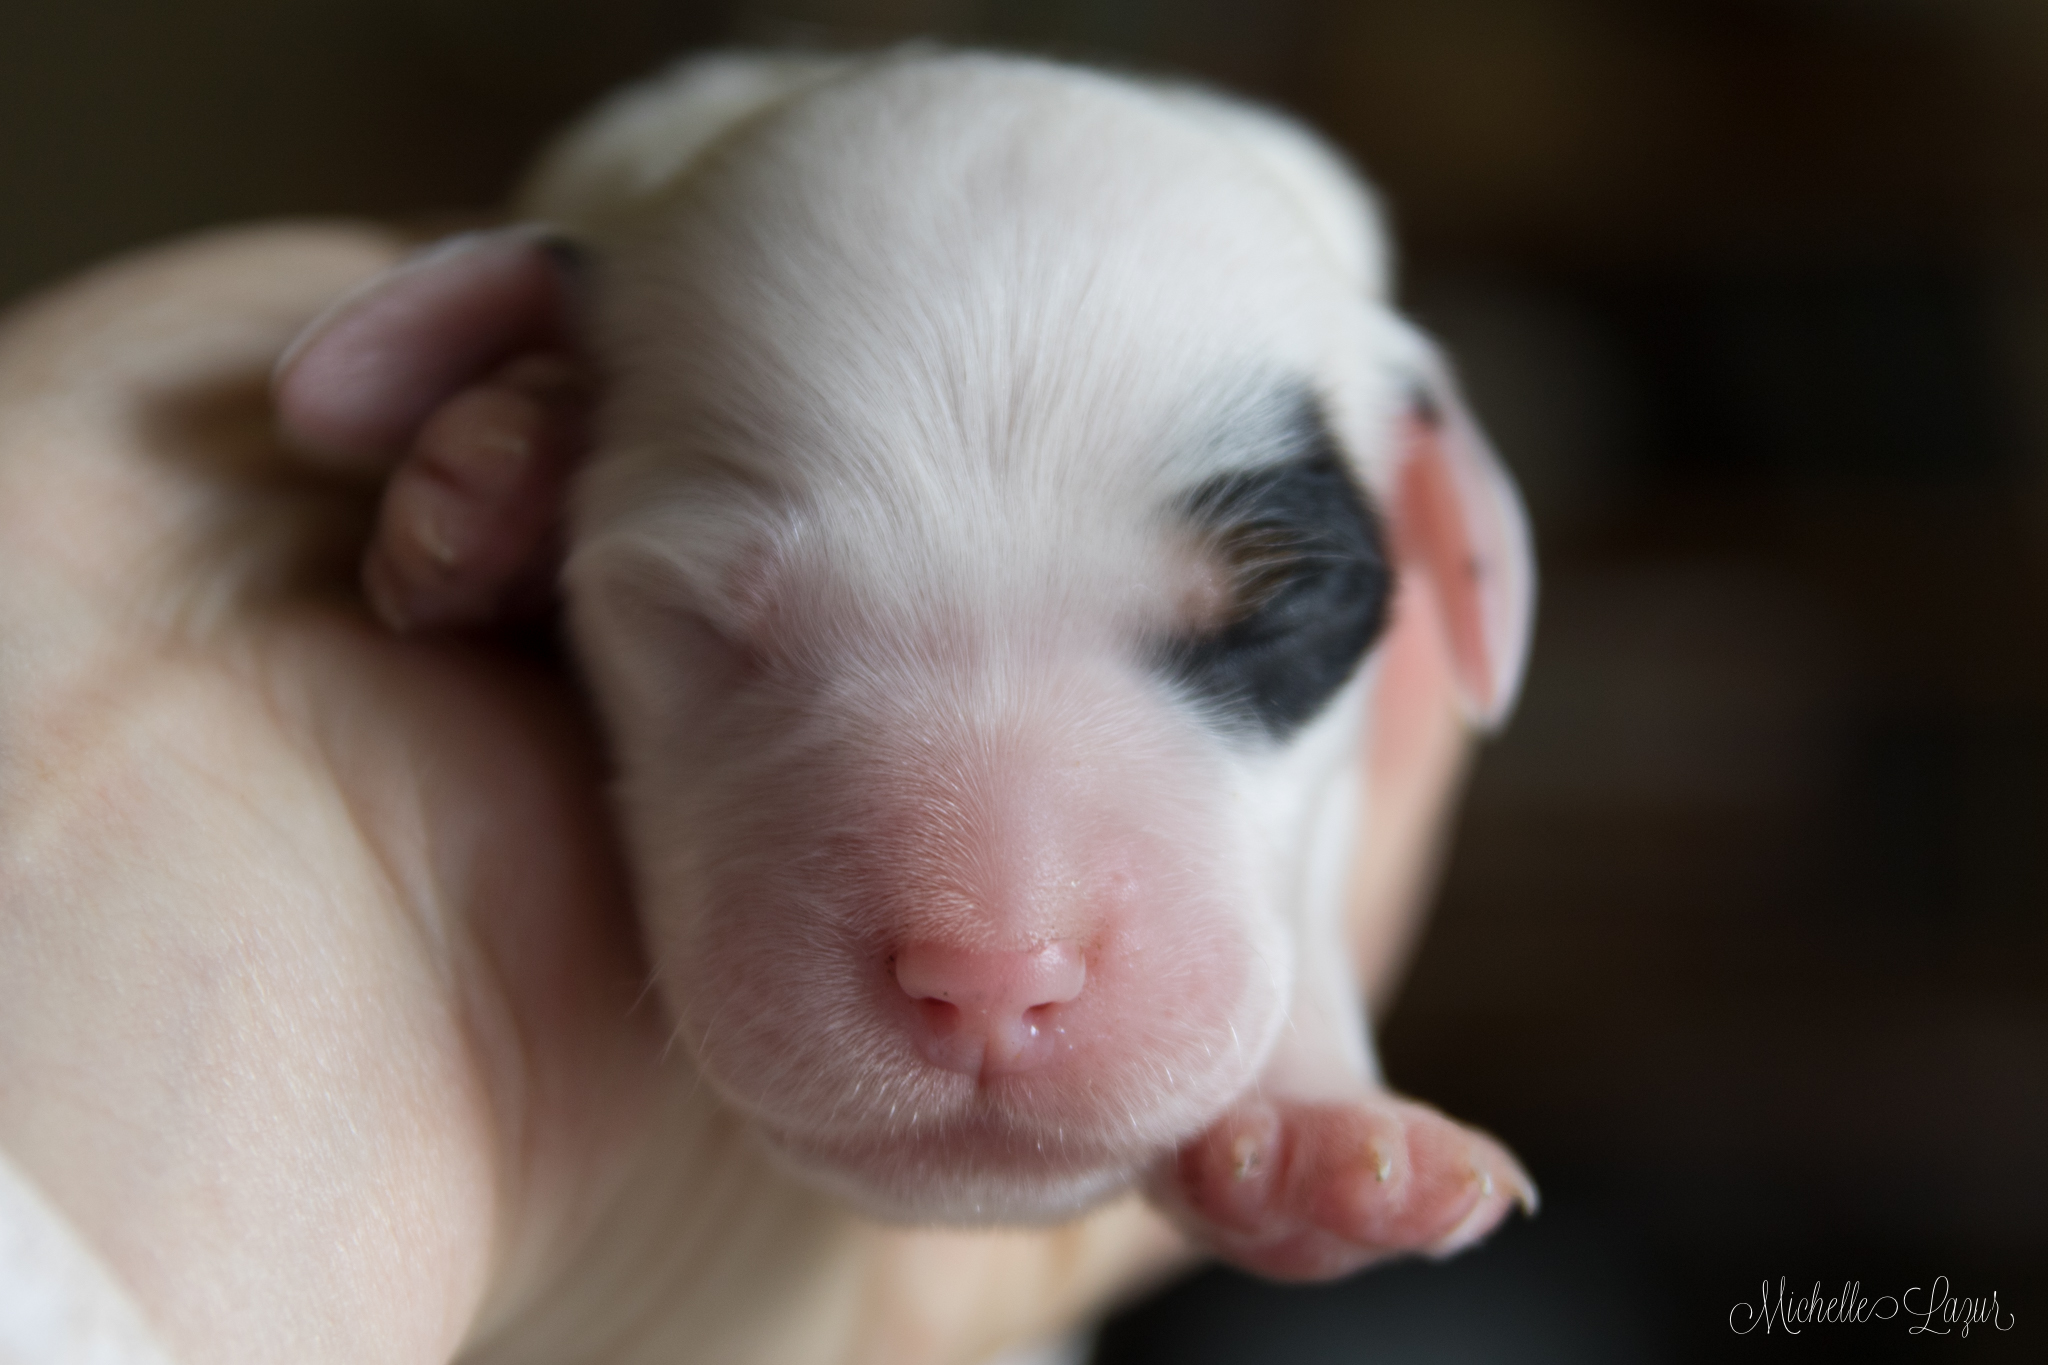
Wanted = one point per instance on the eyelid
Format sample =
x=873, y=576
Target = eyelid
x=1259, y=558
x=1301, y=579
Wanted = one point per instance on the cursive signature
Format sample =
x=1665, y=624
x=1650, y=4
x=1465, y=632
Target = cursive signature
x=1780, y=1311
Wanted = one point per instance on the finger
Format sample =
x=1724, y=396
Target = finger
x=469, y=531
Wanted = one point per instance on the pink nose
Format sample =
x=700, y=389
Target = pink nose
x=987, y=1013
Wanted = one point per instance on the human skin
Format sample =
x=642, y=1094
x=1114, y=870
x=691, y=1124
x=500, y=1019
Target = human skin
x=322, y=1014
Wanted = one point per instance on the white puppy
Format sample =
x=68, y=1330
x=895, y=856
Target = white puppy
x=998, y=477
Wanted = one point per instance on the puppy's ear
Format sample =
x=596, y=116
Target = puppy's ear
x=1459, y=525
x=359, y=383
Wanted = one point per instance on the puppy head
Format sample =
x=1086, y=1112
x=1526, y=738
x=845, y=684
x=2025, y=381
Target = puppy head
x=984, y=547
x=986, y=538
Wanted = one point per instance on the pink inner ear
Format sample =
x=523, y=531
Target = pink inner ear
x=1433, y=535
x=363, y=378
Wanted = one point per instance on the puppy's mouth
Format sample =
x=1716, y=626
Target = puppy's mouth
x=991, y=1120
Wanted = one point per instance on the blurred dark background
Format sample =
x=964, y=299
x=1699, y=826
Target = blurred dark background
x=1743, y=944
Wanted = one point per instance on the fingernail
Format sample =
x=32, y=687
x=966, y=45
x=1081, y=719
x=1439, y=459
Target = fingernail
x=383, y=593
x=427, y=530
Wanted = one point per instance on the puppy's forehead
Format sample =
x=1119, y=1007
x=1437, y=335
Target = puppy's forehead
x=978, y=313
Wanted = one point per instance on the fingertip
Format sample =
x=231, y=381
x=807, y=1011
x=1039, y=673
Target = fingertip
x=384, y=591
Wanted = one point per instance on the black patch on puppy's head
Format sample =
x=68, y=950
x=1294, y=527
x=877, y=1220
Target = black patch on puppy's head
x=1310, y=579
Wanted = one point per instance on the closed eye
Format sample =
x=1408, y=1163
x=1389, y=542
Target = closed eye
x=1309, y=582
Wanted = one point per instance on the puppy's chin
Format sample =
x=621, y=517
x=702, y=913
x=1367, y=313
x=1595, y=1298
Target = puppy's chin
x=961, y=1174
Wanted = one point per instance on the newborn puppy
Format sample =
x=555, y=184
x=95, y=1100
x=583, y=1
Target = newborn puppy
x=991, y=481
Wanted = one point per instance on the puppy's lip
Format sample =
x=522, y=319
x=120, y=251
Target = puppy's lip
x=959, y=1174
x=956, y=1117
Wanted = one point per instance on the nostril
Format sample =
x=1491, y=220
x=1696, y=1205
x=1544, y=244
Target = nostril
x=1058, y=974
x=939, y=1015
